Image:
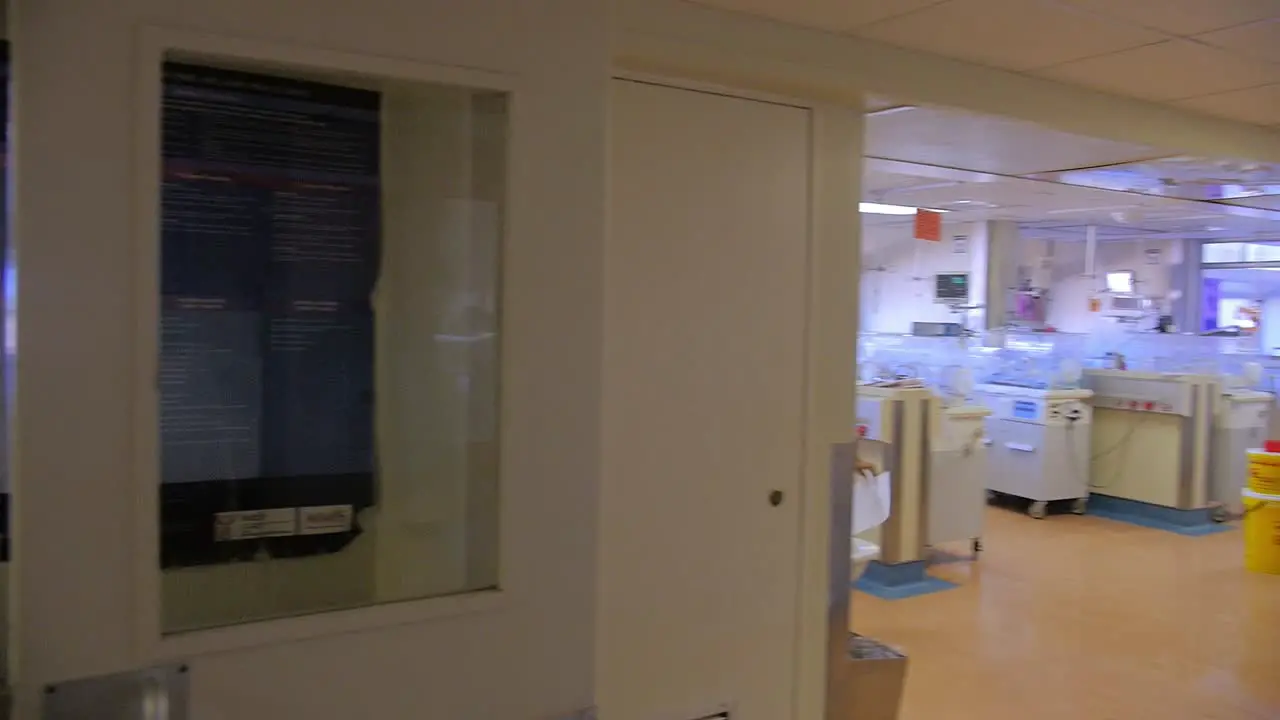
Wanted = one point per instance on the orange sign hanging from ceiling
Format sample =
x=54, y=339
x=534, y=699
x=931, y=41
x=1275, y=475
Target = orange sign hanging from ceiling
x=929, y=225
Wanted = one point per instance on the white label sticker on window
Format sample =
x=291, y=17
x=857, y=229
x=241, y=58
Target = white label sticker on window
x=250, y=524
x=325, y=519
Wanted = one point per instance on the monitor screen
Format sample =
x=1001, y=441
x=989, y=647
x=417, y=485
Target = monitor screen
x=951, y=287
x=1121, y=281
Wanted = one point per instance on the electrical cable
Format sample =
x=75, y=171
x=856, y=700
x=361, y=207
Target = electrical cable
x=1122, y=444
x=1080, y=474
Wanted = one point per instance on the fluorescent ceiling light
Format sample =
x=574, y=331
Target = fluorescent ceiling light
x=1099, y=209
x=890, y=110
x=883, y=209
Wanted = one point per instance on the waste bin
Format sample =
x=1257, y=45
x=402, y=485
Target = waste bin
x=877, y=675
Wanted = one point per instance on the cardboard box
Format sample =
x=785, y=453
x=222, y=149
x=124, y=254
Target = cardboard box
x=877, y=675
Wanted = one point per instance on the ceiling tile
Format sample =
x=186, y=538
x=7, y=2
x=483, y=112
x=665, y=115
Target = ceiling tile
x=1012, y=34
x=1061, y=207
x=1167, y=71
x=1184, y=17
x=1266, y=202
x=1258, y=40
x=1185, y=177
x=876, y=181
x=830, y=15
x=1260, y=106
x=969, y=141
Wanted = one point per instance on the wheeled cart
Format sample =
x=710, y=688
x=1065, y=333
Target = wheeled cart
x=1038, y=445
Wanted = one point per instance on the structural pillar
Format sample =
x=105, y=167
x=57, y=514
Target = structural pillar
x=994, y=270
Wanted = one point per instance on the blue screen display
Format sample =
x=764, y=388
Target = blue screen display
x=269, y=256
x=1026, y=410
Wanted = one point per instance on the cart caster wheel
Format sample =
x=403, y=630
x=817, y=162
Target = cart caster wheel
x=977, y=547
x=1079, y=506
x=1038, y=510
x=1220, y=514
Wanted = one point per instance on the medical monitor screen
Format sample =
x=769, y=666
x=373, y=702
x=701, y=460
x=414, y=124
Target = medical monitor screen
x=951, y=287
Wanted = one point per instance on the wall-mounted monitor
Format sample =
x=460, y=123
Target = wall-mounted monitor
x=951, y=287
x=1121, y=281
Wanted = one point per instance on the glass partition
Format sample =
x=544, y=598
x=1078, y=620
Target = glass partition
x=1043, y=361
x=328, y=343
x=1169, y=352
x=942, y=364
x=1240, y=252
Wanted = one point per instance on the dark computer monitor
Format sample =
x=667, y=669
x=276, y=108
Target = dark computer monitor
x=951, y=287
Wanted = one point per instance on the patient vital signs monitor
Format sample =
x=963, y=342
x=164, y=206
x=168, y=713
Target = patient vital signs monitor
x=951, y=288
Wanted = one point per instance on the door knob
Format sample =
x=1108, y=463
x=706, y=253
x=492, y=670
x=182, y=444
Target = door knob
x=775, y=498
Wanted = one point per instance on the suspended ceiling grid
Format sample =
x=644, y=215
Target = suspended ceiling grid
x=1054, y=211
x=961, y=139
x=985, y=167
x=1219, y=57
x=1233, y=182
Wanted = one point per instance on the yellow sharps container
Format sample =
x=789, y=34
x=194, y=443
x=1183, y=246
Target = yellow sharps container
x=1262, y=532
x=1264, y=469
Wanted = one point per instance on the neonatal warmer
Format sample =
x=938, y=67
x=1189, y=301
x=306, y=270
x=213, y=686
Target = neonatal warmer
x=1038, y=432
x=1176, y=423
x=1151, y=435
x=894, y=426
x=953, y=455
x=1039, y=442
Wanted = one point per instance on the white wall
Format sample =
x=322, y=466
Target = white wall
x=1070, y=291
x=897, y=276
x=898, y=272
x=87, y=584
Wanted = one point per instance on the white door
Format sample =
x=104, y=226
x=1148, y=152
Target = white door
x=705, y=335
x=307, y=391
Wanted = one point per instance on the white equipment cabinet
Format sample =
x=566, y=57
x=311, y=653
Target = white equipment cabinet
x=1039, y=445
x=956, y=493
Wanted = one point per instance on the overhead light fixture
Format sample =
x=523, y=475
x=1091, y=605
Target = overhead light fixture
x=972, y=204
x=870, y=208
x=1186, y=218
x=891, y=110
x=1099, y=209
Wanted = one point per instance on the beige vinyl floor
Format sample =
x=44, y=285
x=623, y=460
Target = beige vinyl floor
x=1079, y=618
